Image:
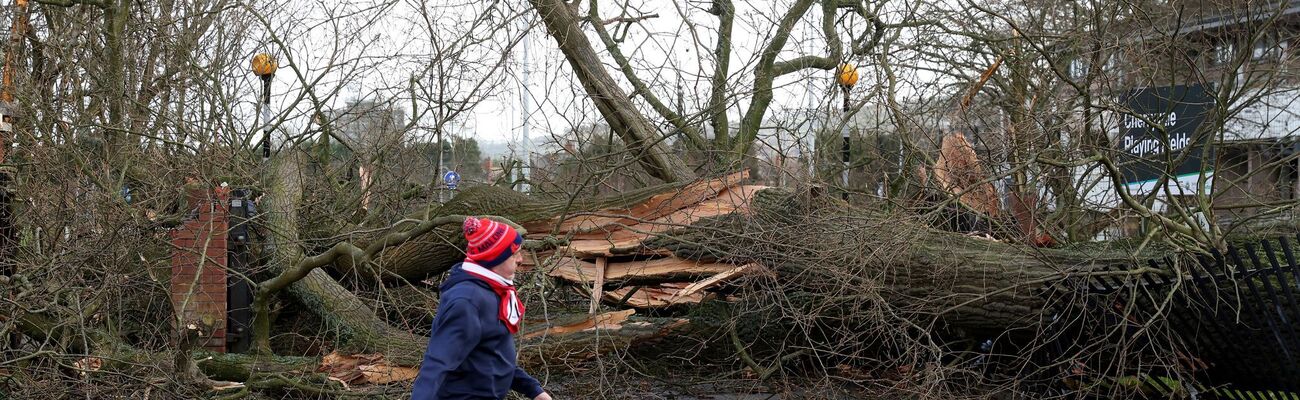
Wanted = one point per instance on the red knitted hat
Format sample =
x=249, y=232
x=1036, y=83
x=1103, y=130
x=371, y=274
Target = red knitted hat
x=490, y=243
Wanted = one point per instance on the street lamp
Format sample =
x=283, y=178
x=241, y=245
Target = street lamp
x=846, y=78
x=264, y=66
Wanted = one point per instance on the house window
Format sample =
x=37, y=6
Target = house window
x=1223, y=51
x=1078, y=68
x=1267, y=48
x=1112, y=64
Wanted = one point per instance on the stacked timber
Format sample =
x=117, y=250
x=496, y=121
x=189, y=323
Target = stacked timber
x=605, y=254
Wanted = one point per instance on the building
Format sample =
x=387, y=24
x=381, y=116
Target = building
x=369, y=126
x=1238, y=139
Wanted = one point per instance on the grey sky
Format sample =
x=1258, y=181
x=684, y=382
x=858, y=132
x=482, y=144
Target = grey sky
x=366, y=51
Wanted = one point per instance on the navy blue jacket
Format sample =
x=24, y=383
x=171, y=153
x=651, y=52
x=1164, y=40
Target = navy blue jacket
x=471, y=354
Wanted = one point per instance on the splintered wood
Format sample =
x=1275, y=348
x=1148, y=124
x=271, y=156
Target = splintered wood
x=360, y=369
x=715, y=280
x=960, y=172
x=657, y=296
x=660, y=269
x=606, y=256
x=608, y=321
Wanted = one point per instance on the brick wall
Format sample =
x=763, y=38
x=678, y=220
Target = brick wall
x=198, y=283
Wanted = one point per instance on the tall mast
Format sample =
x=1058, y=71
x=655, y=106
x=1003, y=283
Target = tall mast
x=16, y=34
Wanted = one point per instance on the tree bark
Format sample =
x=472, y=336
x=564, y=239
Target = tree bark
x=726, y=12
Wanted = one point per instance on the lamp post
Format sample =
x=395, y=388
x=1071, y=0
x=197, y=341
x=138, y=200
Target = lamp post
x=846, y=78
x=264, y=66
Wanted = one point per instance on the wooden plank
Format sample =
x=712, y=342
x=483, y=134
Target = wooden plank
x=717, y=279
x=584, y=272
x=599, y=285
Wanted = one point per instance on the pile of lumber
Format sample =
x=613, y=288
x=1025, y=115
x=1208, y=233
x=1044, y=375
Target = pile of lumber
x=606, y=256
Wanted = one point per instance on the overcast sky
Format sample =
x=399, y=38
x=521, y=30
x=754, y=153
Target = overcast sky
x=361, y=51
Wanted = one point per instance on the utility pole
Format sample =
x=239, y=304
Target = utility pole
x=8, y=236
x=526, y=142
x=811, y=114
x=16, y=34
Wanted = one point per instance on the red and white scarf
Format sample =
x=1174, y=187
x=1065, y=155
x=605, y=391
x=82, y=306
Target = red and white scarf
x=512, y=309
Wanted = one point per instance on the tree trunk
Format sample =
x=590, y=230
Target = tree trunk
x=818, y=245
x=823, y=246
x=356, y=324
x=435, y=252
x=620, y=113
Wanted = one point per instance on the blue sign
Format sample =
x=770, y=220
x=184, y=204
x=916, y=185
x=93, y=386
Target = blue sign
x=451, y=178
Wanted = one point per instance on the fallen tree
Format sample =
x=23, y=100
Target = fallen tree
x=829, y=269
x=807, y=241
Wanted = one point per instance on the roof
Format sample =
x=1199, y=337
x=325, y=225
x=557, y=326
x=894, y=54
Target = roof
x=1236, y=17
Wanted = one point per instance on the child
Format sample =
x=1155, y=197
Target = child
x=471, y=352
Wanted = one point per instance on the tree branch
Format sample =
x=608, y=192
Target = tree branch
x=717, y=106
x=768, y=69
x=70, y=3
x=638, y=85
x=270, y=287
x=627, y=20
x=1170, y=224
x=622, y=115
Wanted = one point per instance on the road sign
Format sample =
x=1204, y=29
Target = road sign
x=451, y=178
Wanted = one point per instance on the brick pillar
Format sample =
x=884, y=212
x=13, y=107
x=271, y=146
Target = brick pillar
x=198, y=282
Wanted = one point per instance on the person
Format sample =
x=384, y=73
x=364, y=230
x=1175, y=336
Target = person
x=471, y=353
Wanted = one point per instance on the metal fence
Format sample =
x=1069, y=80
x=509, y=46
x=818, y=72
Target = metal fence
x=1229, y=321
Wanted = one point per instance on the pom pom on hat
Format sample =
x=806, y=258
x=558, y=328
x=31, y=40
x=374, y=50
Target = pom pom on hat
x=471, y=225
